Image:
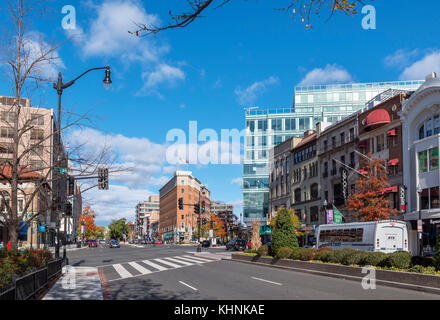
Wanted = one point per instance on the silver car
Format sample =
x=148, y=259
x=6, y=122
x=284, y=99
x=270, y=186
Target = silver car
x=114, y=244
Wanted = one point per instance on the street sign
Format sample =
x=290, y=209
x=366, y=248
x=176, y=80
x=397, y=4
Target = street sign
x=419, y=226
x=211, y=233
x=344, y=183
x=329, y=216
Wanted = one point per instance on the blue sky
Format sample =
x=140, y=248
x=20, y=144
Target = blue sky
x=243, y=54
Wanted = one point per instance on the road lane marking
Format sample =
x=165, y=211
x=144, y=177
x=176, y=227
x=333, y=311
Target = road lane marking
x=180, y=261
x=197, y=258
x=122, y=271
x=139, y=268
x=168, y=263
x=277, y=283
x=154, y=265
x=185, y=284
x=189, y=260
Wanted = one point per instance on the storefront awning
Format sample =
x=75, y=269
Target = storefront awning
x=390, y=189
x=377, y=117
x=393, y=162
x=391, y=132
x=362, y=144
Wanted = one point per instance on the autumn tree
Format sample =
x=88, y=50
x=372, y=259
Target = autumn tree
x=88, y=219
x=256, y=239
x=369, y=202
x=302, y=10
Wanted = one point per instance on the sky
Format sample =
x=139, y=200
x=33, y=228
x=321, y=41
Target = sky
x=242, y=54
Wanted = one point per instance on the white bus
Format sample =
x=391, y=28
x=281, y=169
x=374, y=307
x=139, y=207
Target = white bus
x=385, y=236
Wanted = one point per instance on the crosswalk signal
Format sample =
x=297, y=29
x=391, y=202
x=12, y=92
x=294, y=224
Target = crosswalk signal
x=180, y=203
x=68, y=209
x=203, y=221
x=103, y=179
x=197, y=208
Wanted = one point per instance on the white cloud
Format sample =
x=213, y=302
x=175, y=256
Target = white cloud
x=163, y=73
x=331, y=73
x=419, y=69
x=400, y=58
x=250, y=94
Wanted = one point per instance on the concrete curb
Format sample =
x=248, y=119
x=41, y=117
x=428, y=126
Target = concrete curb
x=271, y=263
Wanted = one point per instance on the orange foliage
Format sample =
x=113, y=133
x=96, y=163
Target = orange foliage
x=369, y=203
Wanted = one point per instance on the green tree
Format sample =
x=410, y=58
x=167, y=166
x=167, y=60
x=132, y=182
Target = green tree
x=283, y=234
x=117, y=228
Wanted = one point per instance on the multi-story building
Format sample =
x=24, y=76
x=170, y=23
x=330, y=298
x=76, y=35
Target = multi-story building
x=305, y=180
x=144, y=211
x=420, y=116
x=180, y=224
x=36, y=148
x=268, y=128
x=280, y=160
x=220, y=206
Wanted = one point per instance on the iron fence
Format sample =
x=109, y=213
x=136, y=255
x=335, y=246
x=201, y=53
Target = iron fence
x=26, y=286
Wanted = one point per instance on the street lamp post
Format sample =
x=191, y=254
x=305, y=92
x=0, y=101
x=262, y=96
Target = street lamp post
x=59, y=87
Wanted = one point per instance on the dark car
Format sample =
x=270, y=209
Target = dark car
x=236, y=244
x=114, y=244
x=92, y=243
x=206, y=243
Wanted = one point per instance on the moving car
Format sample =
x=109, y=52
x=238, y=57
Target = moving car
x=92, y=243
x=102, y=241
x=114, y=244
x=236, y=244
x=206, y=243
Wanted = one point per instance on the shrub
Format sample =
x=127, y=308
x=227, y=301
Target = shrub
x=398, y=259
x=318, y=252
x=353, y=258
x=283, y=235
x=284, y=253
x=263, y=250
x=296, y=254
x=437, y=253
x=422, y=261
x=373, y=259
x=306, y=254
x=250, y=251
x=324, y=256
x=336, y=256
x=422, y=269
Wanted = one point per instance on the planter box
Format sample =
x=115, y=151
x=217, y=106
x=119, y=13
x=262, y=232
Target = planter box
x=413, y=280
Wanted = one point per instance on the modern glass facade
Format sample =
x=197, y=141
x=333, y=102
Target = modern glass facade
x=265, y=128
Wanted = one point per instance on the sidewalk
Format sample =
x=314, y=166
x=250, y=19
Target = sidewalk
x=77, y=283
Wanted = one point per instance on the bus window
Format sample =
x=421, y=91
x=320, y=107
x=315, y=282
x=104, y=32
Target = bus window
x=323, y=235
x=352, y=235
x=346, y=235
x=359, y=234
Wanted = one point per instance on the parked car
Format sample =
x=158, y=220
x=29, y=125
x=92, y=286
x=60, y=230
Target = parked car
x=206, y=244
x=102, y=241
x=92, y=243
x=158, y=242
x=114, y=244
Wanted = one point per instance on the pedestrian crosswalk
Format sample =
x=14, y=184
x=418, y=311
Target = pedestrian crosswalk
x=131, y=269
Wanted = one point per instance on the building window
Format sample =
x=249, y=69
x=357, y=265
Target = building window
x=314, y=213
x=423, y=161
x=433, y=159
x=434, y=198
x=37, y=119
x=37, y=134
x=314, y=191
x=182, y=190
x=276, y=124
x=380, y=144
x=297, y=195
x=7, y=132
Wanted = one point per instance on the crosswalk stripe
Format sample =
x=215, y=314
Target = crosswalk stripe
x=189, y=260
x=122, y=271
x=180, y=261
x=154, y=265
x=197, y=258
x=168, y=263
x=139, y=268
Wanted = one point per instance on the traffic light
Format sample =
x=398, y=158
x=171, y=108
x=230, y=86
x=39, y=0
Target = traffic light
x=68, y=209
x=212, y=224
x=197, y=208
x=402, y=196
x=203, y=221
x=103, y=179
x=71, y=186
x=180, y=203
x=203, y=206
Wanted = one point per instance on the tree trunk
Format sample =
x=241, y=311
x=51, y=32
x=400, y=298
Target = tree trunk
x=13, y=236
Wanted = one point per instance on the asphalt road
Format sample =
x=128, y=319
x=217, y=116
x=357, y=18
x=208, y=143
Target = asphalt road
x=172, y=272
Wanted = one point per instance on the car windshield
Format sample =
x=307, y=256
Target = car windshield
x=114, y=241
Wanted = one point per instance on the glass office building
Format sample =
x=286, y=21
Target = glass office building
x=266, y=128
